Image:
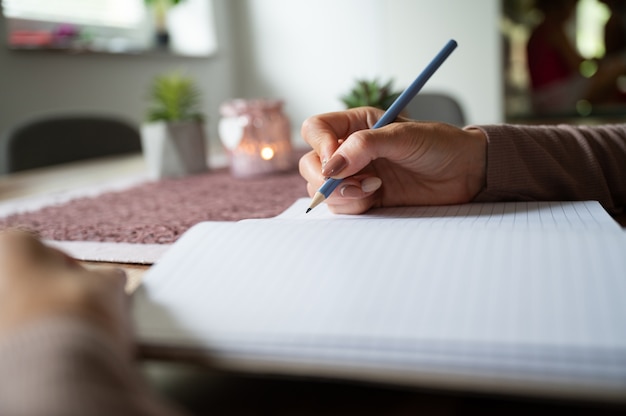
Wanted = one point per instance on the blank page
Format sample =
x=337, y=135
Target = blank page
x=511, y=293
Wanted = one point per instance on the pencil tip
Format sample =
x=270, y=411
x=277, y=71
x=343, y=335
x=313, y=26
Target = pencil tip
x=307, y=210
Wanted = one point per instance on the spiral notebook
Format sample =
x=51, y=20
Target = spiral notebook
x=523, y=297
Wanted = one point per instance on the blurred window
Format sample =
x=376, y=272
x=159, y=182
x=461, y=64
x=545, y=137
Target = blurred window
x=113, y=13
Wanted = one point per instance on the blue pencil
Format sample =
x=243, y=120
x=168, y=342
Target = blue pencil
x=392, y=112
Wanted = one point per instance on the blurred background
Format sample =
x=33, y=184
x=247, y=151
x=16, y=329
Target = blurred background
x=564, y=60
x=56, y=56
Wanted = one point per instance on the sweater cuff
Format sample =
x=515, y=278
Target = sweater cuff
x=508, y=176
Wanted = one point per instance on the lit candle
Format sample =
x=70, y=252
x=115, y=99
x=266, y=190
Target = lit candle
x=267, y=153
x=257, y=137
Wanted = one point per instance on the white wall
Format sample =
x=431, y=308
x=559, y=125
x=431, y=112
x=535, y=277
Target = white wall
x=417, y=29
x=309, y=52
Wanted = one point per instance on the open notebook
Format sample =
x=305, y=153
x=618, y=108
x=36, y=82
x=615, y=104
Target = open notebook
x=517, y=297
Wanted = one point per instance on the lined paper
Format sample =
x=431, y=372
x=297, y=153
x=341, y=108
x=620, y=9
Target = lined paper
x=535, y=214
x=518, y=292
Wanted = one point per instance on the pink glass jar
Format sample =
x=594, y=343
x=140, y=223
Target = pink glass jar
x=257, y=136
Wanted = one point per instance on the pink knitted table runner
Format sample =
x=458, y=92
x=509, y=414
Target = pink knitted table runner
x=159, y=212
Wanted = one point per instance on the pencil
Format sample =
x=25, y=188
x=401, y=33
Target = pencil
x=392, y=113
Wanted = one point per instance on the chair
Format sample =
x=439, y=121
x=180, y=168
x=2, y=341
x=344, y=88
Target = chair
x=436, y=107
x=60, y=139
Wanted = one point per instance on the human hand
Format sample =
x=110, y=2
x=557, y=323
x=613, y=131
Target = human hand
x=404, y=163
x=37, y=282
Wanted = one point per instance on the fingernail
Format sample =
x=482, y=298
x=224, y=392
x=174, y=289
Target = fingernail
x=371, y=184
x=335, y=165
x=351, y=191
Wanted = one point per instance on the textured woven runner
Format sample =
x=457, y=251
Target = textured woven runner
x=159, y=212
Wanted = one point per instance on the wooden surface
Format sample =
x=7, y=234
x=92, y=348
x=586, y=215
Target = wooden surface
x=134, y=272
x=69, y=176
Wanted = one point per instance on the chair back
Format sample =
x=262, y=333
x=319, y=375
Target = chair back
x=436, y=107
x=65, y=138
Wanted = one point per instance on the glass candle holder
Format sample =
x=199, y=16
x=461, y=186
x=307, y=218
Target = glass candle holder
x=257, y=136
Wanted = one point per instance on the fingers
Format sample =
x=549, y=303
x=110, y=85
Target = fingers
x=110, y=279
x=355, y=195
x=365, y=146
x=310, y=168
x=38, y=282
x=403, y=163
x=358, y=191
x=326, y=134
x=326, y=131
x=22, y=254
x=363, y=189
x=18, y=246
x=107, y=304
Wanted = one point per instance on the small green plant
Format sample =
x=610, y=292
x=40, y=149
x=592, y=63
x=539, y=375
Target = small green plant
x=371, y=93
x=174, y=97
x=159, y=9
x=162, y=4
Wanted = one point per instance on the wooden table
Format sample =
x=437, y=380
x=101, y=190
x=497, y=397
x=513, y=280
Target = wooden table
x=69, y=176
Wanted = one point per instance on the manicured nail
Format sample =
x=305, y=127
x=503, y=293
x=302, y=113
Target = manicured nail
x=371, y=184
x=335, y=165
x=368, y=185
x=351, y=191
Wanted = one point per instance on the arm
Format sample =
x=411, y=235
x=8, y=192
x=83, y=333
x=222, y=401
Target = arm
x=556, y=162
x=65, y=336
x=65, y=366
x=416, y=163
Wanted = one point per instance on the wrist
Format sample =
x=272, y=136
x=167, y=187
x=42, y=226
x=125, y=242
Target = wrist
x=477, y=161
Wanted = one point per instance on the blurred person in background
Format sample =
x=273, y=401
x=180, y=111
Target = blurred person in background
x=554, y=65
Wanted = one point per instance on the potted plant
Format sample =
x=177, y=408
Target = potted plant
x=160, y=9
x=372, y=93
x=173, y=137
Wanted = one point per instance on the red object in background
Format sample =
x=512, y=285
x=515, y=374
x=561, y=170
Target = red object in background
x=30, y=38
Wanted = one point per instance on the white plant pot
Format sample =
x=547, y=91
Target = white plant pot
x=174, y=149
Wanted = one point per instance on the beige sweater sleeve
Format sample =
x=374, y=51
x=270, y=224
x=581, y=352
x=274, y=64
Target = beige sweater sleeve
x=66, y=367
x=556, y=163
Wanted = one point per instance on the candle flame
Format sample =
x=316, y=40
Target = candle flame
x=267, y=153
